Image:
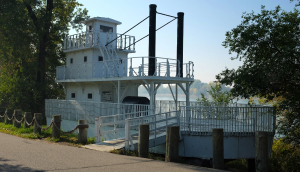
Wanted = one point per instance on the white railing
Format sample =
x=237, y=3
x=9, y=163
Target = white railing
x=113, y=127
x=88, y=110
x=93, y=38
x=127, y=67
x=157, y=126
x=200, y=120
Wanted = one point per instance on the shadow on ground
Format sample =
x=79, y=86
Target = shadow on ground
x=14, y=168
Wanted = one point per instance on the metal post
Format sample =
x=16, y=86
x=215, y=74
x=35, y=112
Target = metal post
x=152, y=37
x=180, y=28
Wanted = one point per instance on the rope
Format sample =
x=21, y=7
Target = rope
x=36, y=121
x=148, y=34
x=3, y=115
x=30, y=123
x=128, y=30
x=69, y=132
x=41, y=126
x=11, y=117
x=165, y=15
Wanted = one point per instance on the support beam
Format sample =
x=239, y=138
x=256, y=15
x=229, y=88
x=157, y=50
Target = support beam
x=127, y=86
x=183, y=89
x=152, y=37
x=172, y=93
x=152, y=97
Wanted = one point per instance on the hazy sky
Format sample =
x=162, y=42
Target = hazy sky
x=205, y=25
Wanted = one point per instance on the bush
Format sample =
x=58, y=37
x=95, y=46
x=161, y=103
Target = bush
x=284, y=157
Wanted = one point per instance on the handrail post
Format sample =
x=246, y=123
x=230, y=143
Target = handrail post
x=125, y=42
x=100, y=128
x=129, y=43
x=133, y=43
x=96, y=130
x=127, y=134
x=142, y=66
x=115, y=127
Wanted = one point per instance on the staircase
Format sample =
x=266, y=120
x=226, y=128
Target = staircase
x=110, y=60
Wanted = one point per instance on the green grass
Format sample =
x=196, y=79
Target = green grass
x=70, y=139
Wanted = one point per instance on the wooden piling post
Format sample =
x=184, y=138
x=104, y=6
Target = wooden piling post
x=9, y=113
x=57, y=121
x=82, y=131
x=218, y=148
x=261, y=155
x=28, y=118
x=172, y=144
x=18, y=116
x=38, y=119
x=143, y=146
x=251, y=165
x=2, y=112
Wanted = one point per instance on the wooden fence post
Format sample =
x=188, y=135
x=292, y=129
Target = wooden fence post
x=172, y=144
x=261, y=155
x=82, y=132
x=38, y=119
x=218, y=148
x=57, y=121
x=28, y=118
x=2, y=112
x=18, y=116
x=9, y=113
x=143, y=146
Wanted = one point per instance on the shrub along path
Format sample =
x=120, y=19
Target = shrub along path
x=18, y=154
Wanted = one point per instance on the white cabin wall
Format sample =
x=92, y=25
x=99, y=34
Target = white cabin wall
x=78, y=57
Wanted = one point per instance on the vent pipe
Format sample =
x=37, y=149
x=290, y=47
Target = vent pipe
x=152, y=36
x=180, y=22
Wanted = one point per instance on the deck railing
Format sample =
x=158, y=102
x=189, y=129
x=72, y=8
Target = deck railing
x=234, y=120
x=127, y=67
x=94, y=38
x=88, y=110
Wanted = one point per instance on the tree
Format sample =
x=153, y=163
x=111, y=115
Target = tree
x=268, y=43
x=217, y=95
x=32, y=32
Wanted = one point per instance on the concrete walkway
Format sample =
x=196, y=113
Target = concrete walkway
x=18, y=154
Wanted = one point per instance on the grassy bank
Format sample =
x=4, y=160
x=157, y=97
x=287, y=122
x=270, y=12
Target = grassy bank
x=67, y=139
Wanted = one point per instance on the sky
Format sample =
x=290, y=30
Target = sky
x=205, y=25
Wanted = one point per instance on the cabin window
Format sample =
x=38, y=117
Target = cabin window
x=73, y=95
x=106, y=29
x=90, y=28
x=90, y=96
x=71, y=60
x=120, y=61
x=100, y=58
x=85, y=58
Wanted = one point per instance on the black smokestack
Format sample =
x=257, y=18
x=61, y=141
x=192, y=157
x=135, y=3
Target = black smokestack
x=152, y=35
x=180, y=22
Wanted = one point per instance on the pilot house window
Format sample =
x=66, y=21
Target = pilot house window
x=85, y=58
x=90, y=96
x=100, y=58
x=73, y=95
x=106, y=29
